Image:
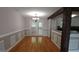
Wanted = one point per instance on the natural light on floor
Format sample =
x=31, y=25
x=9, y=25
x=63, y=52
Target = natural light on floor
x=36, y=40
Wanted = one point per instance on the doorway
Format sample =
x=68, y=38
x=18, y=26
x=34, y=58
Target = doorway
x=36, y=28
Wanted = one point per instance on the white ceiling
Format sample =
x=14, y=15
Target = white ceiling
x=47, y=10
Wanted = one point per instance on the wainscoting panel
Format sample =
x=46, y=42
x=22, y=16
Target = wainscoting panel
x=12, y=40
x=2, y=48
x=7, y=42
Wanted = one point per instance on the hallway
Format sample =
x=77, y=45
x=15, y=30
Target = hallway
x=35, y=44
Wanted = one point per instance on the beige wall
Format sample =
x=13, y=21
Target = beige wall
x=10, y=21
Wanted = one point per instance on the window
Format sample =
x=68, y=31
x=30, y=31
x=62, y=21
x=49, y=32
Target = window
x=40, y=24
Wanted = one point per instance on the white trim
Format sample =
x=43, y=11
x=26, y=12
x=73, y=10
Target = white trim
x=7, y=34
x=55, y=44
x=14, y=45
x=57, y=32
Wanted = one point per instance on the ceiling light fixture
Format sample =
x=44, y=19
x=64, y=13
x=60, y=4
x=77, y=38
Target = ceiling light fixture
x=35, y=18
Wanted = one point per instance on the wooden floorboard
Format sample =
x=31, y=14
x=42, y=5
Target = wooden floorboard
x=26, y=45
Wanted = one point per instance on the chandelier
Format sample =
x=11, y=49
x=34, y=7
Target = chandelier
x=36, y=18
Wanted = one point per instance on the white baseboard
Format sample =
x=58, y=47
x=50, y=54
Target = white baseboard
x=14, y=45
x=56, y=44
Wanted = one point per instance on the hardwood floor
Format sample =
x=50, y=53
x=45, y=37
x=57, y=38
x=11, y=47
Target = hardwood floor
x=35, y=44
